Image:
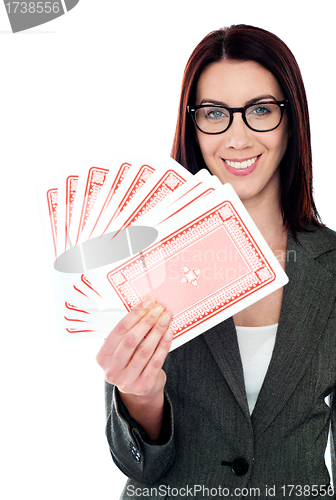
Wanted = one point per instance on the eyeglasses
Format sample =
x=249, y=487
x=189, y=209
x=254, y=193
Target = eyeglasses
x=216, y=119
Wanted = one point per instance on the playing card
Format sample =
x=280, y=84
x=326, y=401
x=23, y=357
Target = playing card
x=74, y=322
x=67, y=188
x=76, y=310
x=115, y=177
x=90, y=182
x=151, y=228
x=137, y=176
x=77, y=195
x=174, y=206
x=166, y=180
x=74, y=316
x=185, y=189
x=214, y=265
x=191, y=198
x=47, y=193
x=56, y=205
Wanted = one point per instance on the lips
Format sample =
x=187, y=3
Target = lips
x=241, y=167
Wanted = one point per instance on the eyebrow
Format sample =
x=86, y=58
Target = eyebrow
x=251, y=101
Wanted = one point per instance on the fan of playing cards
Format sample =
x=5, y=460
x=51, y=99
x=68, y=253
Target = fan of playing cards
x=140, y=228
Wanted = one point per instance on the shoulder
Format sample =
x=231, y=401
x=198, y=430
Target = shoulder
x=320, y=243
x=328, y=235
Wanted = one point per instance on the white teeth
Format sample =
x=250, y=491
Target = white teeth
x=243, y=164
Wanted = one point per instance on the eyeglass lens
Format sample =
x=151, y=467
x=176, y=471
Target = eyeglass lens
x=260, y=117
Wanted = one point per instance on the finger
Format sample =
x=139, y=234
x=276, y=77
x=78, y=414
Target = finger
x=149, y=375
x=129, y=345
x=121, y=329
x=146, y=349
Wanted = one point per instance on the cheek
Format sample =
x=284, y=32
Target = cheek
x=277, y=144
x=283, y=138
x=283, y=145
x=208, y=144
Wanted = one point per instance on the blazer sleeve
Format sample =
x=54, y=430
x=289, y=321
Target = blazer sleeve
x=333, y=435
x=137, y=456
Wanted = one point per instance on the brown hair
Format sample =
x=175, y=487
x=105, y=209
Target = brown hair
x=248, y=43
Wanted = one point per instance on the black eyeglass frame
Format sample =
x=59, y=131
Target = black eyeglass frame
x=192, y=111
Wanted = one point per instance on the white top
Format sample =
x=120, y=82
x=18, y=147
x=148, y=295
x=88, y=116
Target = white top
x=256, y=346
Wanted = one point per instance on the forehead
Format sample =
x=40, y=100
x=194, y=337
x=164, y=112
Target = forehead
x=236, y=82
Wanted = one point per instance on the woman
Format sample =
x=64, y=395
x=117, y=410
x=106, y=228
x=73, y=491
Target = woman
x=240, y=410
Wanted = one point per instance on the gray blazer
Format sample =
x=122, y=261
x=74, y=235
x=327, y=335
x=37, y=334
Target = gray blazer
x=215, y=448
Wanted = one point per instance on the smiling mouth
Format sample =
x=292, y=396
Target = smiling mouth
x=242, y=164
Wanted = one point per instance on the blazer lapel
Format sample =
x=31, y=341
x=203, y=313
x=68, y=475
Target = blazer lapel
x=222, y=342
x=306, y=305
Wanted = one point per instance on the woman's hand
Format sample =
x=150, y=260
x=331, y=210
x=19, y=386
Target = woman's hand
x=132, y=357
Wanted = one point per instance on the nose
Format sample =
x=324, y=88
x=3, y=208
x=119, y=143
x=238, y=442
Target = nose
x=238, y=135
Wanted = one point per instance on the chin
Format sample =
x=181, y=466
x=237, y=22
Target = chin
x=244, y=192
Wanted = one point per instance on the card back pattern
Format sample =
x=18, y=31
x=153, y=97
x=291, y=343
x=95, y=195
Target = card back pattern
x=198, y=271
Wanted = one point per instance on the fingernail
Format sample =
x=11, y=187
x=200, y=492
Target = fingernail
x=148, y=302
x=165, y=319
x=158, y=309
x=169, y=334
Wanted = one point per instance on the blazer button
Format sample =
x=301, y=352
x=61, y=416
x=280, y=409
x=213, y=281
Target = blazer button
x=239, y=466
x=135, y=454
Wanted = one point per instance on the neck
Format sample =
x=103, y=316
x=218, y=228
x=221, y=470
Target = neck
x=266, y=214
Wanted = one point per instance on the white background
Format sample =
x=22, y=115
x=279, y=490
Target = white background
x=103, y=78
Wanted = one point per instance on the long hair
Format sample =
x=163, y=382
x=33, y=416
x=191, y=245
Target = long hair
x=248, y=43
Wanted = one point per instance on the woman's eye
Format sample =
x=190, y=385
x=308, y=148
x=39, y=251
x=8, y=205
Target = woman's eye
x=214, y=114
x=259, y=110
